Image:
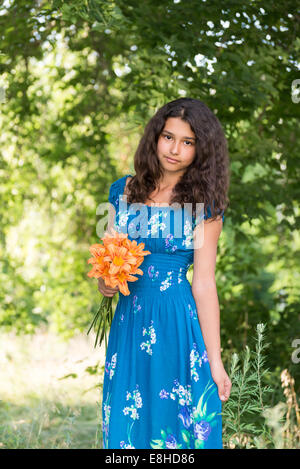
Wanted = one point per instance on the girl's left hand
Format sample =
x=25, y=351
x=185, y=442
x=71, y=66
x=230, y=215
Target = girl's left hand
x=221, y=379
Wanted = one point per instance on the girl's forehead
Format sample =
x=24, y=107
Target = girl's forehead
x=176, y=125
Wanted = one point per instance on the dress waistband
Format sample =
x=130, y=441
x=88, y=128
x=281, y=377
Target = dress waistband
x=162, y=273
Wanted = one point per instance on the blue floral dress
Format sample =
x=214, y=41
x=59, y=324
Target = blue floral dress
x=158, y=391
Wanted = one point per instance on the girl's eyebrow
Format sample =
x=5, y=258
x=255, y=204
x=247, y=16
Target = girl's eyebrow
x=188, y=138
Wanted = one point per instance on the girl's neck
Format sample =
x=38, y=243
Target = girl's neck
x=168, y=182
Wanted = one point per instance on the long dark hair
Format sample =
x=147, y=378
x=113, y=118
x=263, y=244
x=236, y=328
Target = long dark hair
x=206, y=179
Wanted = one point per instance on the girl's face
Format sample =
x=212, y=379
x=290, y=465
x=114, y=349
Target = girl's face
x=176, y=148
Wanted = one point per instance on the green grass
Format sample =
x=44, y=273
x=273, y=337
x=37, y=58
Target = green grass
x=39, y=409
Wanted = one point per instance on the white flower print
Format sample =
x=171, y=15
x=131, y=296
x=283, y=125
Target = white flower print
x=184, y=393
x=110, y=366
x=105, y=422
x=151, y=333
x=136, y=398
x=180, y=275
x=188, y=234
x=155, y=224
x=169, y=243
x=132, y=411
x=166, y=283
x=123, y=218
x=195, y=359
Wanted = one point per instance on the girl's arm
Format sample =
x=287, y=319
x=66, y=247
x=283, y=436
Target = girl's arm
x=204, y=286
x=206, y=298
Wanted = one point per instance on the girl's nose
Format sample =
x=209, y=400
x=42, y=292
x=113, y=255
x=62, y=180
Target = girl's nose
x=175, y=148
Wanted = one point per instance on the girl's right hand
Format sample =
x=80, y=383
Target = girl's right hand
x=105, y=290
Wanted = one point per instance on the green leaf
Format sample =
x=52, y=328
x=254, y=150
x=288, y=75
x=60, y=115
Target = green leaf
x=185, y=436
x=199, y=444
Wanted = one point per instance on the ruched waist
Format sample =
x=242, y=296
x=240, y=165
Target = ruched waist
x=162, y=273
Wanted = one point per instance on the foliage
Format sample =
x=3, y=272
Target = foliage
x=247, y=397
x=248, y=420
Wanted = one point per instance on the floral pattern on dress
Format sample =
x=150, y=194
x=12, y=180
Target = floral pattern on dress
x=168, y=440
x=167, y=282
x=179, y=279
x=116, y=227
x=188, y=234
x=170, y=243
x=182, y=392
x=195, y=359
x=110, y=366
x=197, y=423
x=132, y=412
x=156, y=224
x=109, y=369
x=124, y=445
x=123, y=218
x=105, y=420
x=134, y=227
x=136, y=307
x=151, y=333
x=193, y=312
x=152, y=274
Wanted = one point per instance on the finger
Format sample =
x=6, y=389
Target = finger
x=110, y=293
x=222, y=392
x=227, y=389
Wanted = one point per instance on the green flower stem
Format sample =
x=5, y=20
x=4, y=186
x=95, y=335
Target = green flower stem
x=102, y=321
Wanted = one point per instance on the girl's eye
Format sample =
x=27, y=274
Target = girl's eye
x=186, y=141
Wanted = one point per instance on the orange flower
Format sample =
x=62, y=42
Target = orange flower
x=116, y=260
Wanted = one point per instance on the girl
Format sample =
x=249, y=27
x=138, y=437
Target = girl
x=164, y=380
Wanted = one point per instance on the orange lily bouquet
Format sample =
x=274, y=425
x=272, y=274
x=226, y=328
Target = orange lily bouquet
x=117, y=260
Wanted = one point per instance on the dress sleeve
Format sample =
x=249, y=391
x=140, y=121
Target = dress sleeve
x=116, y=189
x=209, y=215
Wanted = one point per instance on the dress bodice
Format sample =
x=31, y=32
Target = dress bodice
x=167, y=233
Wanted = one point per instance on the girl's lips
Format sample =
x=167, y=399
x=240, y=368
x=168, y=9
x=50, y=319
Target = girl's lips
x=171, y=160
